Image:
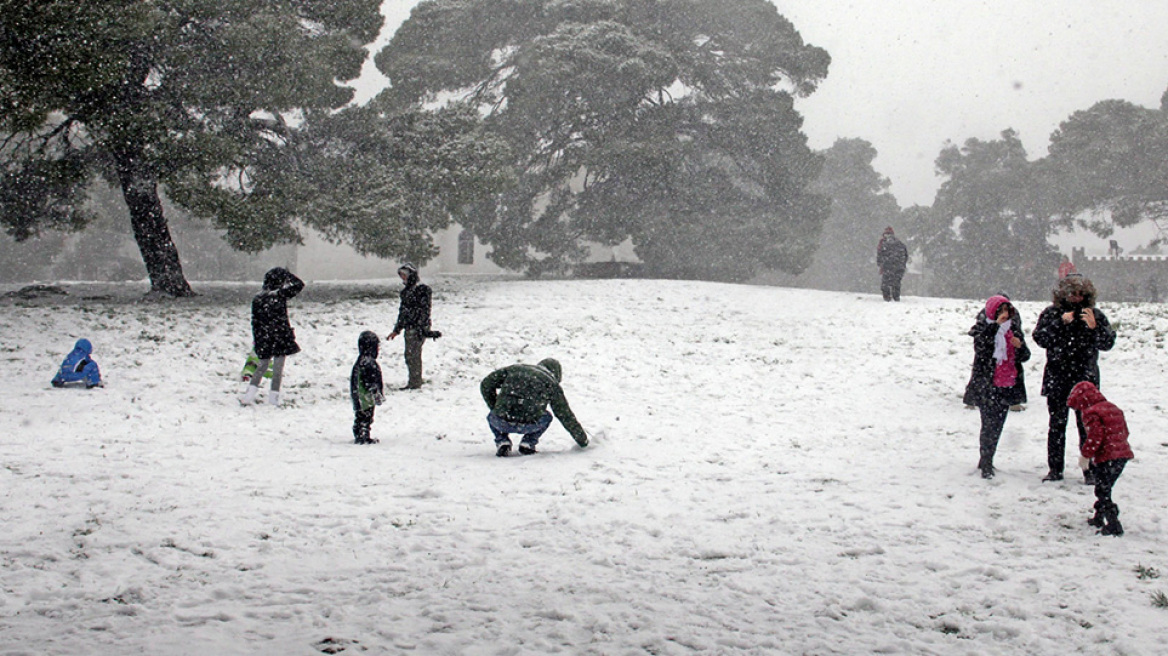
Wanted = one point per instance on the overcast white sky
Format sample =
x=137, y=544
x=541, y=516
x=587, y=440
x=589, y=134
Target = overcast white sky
x=909, y=75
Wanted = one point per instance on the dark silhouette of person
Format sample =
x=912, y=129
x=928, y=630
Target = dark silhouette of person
x=892, y=259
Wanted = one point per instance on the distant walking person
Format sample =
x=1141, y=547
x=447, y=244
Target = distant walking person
x=272, y=334
x=365, y=387
x=999, y=347
x=413, y=318
x=1066, y=267
x=1104, y=453
x=892, y=258
x=1073, y=332
x=518, y=397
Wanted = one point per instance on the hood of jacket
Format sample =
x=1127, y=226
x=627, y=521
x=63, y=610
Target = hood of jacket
x=1084, y=395
x=275, y=278
x=83, y=347
x=992, y=305
x=553, y=367
x=411, y=272
x=368, y=343
x=1074, y=284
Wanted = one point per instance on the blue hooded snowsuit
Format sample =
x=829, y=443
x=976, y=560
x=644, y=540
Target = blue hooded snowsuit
x=78, y=367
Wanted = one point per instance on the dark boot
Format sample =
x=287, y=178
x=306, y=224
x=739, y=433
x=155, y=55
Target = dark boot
x=503, y=451
x=1052, y=476
x=1097, y=520
x=1113, y=526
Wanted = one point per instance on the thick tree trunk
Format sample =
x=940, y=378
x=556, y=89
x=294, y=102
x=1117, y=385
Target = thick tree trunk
x=140, y=189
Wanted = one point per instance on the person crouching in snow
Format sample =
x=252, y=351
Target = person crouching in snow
x=518, y=397
x=272, y=335
x=999, y=349
x=1104, y=452
x=365, y=387
x=78, y=368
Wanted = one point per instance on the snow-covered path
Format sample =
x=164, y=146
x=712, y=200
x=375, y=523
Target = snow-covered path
x=774, y=471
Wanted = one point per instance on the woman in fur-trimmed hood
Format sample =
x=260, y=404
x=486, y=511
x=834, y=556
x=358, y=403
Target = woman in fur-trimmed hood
x=1073, y=331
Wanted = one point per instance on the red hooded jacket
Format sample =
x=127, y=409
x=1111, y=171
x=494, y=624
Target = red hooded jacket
x=1106, y=427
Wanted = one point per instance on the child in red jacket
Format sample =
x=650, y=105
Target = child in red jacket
x=1105, y=451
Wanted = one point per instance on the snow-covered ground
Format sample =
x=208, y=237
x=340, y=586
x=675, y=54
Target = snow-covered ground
x=773, y=471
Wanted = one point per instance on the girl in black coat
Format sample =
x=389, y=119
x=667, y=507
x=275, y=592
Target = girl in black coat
x=272, y=335
x=1000, y=348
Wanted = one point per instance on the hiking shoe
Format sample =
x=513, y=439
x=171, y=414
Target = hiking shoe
x=503, y=451
x=1052, y=476
x=1113, y=528
x=525, y=450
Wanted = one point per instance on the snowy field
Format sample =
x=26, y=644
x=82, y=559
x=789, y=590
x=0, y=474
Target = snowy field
x=773, y=471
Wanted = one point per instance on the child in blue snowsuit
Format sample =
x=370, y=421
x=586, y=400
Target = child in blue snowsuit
x=78, y=368
x=365, y=387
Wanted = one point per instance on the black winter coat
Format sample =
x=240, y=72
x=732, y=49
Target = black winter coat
x=981, y=382
x=414, y=311
x=365, y=385
x=272, y=335
x=1072, y=349
x=891, y=255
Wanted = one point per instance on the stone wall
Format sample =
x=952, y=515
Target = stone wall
x=1125, y=278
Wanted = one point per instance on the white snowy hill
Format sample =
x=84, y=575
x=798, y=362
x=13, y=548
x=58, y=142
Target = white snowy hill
x=773, y=471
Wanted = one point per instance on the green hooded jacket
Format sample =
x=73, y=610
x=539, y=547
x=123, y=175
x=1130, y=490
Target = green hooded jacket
x=521, y=393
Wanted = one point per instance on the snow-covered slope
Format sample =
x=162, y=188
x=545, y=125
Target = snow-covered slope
x=773, y=471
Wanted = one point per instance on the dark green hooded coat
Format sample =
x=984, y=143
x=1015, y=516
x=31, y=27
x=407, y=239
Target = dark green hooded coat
x=521, y=393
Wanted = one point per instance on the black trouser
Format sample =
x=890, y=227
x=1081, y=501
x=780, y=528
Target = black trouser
x=890, y=285
x=362, y=423
x=414, y=341
x=993, y=411
x=1106, y=474
x=1056, y=436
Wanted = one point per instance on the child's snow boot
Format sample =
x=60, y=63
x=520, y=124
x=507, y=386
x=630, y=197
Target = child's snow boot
x=274, y=397
x=526, y=449
x=1098, y=519
x=1113, y=526
x=249, y=395
x=503, y=451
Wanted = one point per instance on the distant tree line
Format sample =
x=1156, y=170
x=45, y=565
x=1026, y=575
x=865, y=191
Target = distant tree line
x=539, y=125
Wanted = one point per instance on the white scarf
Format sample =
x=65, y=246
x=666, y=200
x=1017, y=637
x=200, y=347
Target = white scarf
x=1000, y=353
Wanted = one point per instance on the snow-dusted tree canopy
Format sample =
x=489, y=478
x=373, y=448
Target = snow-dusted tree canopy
x=669, y=123
x=195, y=95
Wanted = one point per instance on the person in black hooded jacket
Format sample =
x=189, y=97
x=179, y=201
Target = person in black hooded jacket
x=413, y=318
x=272, y=334
x=365, y=387
x=1073, y=331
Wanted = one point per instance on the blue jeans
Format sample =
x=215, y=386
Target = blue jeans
x=531, y=432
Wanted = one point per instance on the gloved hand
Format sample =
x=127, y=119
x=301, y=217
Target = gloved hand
x=1084, y=462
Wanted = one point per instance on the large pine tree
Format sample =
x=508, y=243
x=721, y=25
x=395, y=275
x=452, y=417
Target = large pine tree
x=194, y=95
x=667, y=122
